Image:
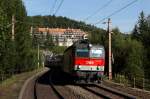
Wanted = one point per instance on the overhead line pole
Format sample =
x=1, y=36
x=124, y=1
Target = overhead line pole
x=110, y=53
x=109, y=49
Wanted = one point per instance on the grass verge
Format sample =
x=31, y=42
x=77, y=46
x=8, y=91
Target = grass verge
x=10, y=88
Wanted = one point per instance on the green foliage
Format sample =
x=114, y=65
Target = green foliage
x=128, y=55
x=15, y=56
x=49, y=42
x=97, y=36
x=121, y=79
x=134, y=61
x=33, y=60
x=142, y=34
x=58, y=49
x=6, y=47
x=57, y=40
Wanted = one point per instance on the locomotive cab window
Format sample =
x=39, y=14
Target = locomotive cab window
x=82, y=53
x=96, y=53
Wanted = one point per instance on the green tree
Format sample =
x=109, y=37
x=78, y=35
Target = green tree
x=142, y=34
x=57, y=40
x=3, y=38
x=128, y=55
x=134, y=60
x=15, y=55
x=97, y=36
x=135, y=33
x=143, y=29
x=118, y=50
x=49, y=41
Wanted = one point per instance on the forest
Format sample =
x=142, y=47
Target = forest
x=130, y=51
x=16, y=55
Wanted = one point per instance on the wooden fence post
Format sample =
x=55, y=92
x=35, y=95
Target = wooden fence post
x=134, y=83
x=143, y=83
x=119, y=78
x=0, y=76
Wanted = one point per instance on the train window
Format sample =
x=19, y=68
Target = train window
x=94, y=53
x=82, y=53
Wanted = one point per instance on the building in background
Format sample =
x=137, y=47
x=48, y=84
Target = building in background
x=61, y=37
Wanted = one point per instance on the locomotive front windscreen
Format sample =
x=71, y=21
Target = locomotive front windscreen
x=82, y=53
x=96, y=53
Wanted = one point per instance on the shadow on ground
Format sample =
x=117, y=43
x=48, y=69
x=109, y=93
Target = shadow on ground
x=56, y=77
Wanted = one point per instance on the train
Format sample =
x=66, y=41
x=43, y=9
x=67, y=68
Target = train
x=84, y=61
x=53, y=61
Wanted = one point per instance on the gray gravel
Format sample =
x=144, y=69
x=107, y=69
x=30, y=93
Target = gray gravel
x=83, y=93
x=141, y=94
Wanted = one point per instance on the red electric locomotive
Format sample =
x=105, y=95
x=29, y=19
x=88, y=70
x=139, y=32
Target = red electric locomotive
x=84, y=61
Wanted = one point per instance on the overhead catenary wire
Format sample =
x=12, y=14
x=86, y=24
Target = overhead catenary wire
x=59, y=7
x=117, y=11
x=53, y=7
x=98, y=10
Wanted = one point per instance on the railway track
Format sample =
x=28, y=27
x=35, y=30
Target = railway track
x=50, y=85
x=44, y=89
x=119, y=93
x=106, y=92
x=61, y=88
x=54, y=88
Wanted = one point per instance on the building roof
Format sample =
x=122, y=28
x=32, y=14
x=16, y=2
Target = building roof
x=59, y=30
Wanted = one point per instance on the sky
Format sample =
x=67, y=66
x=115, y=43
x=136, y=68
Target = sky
x=81, y=9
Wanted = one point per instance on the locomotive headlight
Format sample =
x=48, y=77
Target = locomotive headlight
x=90, y=45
